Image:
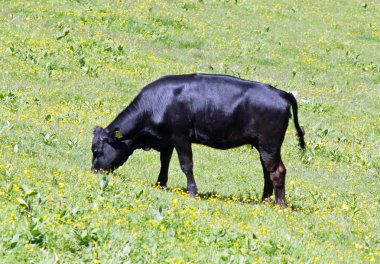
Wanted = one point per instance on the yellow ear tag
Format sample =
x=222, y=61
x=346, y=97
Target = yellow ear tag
x=118, y=134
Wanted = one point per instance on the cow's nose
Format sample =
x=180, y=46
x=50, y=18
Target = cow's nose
x=93, y=170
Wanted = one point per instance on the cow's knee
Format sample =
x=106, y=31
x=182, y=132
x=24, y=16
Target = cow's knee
x=187, y=168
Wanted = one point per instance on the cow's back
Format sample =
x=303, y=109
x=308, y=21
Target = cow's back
x=216, y=110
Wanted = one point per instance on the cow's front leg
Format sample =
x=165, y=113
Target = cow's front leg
x=165, y=156
x=185, y=156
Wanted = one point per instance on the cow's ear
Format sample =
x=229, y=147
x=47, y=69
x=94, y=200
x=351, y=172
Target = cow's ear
x=116, y=134
x=97, y=130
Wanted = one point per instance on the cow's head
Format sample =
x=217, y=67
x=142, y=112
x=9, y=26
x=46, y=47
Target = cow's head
x=109, y=150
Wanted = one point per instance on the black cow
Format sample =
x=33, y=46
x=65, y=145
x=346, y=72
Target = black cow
x=214, y=110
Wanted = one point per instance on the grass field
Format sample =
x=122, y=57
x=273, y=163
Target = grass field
x=67, y=66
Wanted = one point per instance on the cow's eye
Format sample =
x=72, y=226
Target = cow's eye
x=96, y=152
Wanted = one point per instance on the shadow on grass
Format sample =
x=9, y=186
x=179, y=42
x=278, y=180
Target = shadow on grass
x=214, y=196
x=253, y=199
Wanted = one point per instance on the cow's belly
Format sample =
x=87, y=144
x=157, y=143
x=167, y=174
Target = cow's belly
x=219, y=139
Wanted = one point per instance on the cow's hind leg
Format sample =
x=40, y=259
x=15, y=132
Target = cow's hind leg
x=165, y=156
x=275, y=169
x=268, y=185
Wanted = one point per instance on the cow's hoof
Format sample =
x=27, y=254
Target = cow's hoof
x=160, y=185
x=280, y=203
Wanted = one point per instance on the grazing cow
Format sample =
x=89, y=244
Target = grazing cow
x=218, y=111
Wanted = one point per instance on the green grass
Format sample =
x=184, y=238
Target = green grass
x=67, y=66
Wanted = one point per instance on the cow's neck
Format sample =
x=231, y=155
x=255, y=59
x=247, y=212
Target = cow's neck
x=129, y=121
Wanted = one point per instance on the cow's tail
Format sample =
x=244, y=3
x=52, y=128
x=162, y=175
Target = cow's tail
x=300, y=131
